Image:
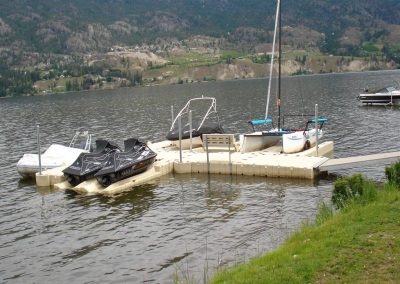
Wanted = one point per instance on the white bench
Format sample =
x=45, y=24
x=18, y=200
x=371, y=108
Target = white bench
x=219, y=142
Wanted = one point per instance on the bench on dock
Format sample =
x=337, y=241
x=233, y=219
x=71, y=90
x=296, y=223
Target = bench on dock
x=219, y=142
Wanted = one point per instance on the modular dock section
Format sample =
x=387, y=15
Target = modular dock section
x=342, y=163
x=269, y=163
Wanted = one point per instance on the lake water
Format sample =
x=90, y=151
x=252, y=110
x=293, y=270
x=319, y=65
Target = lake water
x=185, y=225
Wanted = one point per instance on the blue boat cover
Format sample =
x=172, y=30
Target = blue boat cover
x=320, y=119
x=282, y=132
x=260, y=121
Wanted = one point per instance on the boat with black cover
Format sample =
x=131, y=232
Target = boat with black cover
x=88, y=164
x=136, y=158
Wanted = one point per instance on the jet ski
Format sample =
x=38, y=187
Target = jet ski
x=136, y=158
x=88, y=164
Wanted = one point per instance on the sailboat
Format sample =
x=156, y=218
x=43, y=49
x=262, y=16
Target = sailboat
x=258, y=140
x=293, y=140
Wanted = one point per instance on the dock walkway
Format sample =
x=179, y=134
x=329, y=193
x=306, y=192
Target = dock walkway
x=342, y=163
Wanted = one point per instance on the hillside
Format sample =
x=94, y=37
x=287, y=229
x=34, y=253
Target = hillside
x=68, y=35
x=95, y=25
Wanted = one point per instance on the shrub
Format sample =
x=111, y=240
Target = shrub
x=341, y=193
x=356, y=183
x=352, y=188
x=392, y=173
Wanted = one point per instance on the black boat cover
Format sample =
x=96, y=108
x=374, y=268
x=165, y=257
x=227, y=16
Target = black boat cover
x=87, y=164
x=136, y=158
x=173, y=135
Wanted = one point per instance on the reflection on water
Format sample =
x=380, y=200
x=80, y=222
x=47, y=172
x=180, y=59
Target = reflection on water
x=182, y=223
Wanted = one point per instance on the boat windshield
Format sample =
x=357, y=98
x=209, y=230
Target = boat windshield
x=82, y=140
x=383, y=90
x=203, y=109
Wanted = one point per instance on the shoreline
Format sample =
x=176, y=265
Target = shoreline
x=358, y=243
x=194, y=82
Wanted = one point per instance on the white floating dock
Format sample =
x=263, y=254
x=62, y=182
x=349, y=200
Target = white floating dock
x=269, y=163
x=342, y=163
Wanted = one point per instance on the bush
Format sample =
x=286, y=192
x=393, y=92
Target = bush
x=392, y=173
x=341, y=193
x=356, y=183
x=352, y=188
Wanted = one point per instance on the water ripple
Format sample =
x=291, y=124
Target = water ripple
x=179, y=224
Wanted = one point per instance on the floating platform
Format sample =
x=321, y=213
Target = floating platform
x=268, y=163
x=342, y=163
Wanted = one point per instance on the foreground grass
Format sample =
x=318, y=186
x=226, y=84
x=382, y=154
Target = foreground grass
x=360, y=244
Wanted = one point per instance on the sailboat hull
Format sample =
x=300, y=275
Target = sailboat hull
x=300, y=140
x=258, y=141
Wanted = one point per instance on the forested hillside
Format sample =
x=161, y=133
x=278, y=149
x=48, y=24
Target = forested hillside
x=37, y=32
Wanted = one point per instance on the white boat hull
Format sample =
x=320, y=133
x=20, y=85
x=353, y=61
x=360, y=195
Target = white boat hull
x=386, y=96
x=300, y=140
x=55, y=156
x=257, y=141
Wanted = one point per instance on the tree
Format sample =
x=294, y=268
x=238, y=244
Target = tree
x=68, y=86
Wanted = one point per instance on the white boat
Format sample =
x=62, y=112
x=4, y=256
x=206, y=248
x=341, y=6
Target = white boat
x=298, y=141
x=385, y=96
x=205, y=120
x=258, y=140
x=55, y=156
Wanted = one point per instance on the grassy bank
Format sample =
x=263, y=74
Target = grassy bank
x=359, y=244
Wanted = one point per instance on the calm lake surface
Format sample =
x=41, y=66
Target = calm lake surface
x=185, y=225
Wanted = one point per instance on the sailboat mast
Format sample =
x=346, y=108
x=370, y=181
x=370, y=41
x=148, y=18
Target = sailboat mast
x=279, y=65
x=272, y=60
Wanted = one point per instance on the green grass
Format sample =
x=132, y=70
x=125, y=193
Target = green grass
x=370, y=47
x=361, y=244
x=231, y=54
x=194, y=59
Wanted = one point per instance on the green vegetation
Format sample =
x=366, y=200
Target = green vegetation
x=393, y=174
x=261, y=59
x=360, y=244
x=16, y=82
x=370, y=47
x=392, y=51
x=229, y=55
x=300, y=71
